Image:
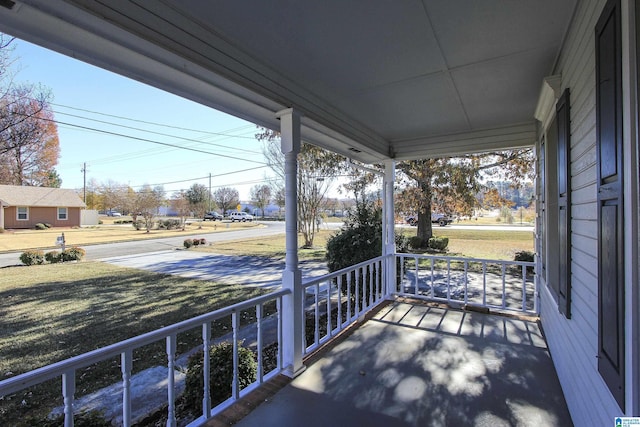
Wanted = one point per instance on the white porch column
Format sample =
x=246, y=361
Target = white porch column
x=388, y=225
x=292, y=310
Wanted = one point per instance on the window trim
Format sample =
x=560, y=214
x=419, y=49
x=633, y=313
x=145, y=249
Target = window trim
x=26, y=208
x=66, y=213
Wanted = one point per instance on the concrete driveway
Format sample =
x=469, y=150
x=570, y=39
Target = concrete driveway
x=245, y=270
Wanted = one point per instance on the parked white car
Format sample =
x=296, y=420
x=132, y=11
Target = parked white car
x=240, y=216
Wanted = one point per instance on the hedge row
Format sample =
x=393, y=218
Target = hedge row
x=53, y=257
x=194, y=242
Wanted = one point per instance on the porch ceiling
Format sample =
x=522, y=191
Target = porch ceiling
x=373, y=79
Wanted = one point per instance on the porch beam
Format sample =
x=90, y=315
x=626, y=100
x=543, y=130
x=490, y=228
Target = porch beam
x=502, y=138
x=292, y=303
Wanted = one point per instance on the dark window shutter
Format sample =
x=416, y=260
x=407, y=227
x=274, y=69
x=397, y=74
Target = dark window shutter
x=563, y=117
x=611, y=359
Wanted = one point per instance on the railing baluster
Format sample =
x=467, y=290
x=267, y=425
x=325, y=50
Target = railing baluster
x=357, y=306
x=279, y=318
x=317, y=315
x=484, y=283
x=349, y=275
x=378, y=281
x=260, y=372
x=329, y=328
x=339, y=322
x=235, y=389
x=171, y=389
x=370, y=270
x=206, y=369
x=448, y=280
x=524, y=288
x=399, y=286
x=504, y=286
x=416, y=267
x=466, y=283
x=433, y=285
x=126, y=365
x=68, y=392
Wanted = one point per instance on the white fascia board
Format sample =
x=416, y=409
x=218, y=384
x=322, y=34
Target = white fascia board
x=549, y=95
x=504, y=138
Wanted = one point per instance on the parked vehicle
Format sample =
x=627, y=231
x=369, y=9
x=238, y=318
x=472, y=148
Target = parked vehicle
x=114, y=213
x=240, y=216
x=212, y=216
x=436, y=218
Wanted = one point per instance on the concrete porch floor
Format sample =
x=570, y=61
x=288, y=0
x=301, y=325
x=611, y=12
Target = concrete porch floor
x=414, y=364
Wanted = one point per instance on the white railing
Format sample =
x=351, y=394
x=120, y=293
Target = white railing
x=495, y=284
x=336, y=300
x=67, y=369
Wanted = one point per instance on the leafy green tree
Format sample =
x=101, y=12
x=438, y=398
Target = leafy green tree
x=198, y=197
x=448, y=184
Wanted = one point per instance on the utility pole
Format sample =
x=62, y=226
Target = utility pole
x=84, y=179
x=209, y=194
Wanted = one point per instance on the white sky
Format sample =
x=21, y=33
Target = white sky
x=80, y=91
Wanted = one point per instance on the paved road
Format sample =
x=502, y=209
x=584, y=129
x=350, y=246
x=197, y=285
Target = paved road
x=108, y=250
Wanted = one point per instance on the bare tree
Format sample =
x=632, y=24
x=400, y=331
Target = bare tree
x=226, y=198
x=261, y=196
x=148, y=202
x=180, y=204
x=317, y=169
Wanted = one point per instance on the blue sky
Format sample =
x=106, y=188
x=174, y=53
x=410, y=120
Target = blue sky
x=86, y=96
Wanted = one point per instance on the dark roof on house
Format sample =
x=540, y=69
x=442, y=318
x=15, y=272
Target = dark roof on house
x=15, y=195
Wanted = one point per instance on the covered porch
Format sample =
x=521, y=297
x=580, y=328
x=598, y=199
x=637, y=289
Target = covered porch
x=382, y=84
x=420, y=364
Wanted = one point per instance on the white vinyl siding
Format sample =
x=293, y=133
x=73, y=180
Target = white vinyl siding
x=574, y=342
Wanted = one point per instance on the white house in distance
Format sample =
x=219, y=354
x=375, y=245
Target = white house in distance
x=381, y=82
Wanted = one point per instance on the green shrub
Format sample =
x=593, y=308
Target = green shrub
x=46, y=224
x=138, y=224
x=73, y=254
x=221, y=374
x=526, y=256
x=416, y=242
x=100, y=222
x=203, y=241
x=438, y=243
x=187, y=243
x=32, y=257
x=53, y=257
x=1, y=230
x=196, y=242
x=169, y=224
x=40, y=226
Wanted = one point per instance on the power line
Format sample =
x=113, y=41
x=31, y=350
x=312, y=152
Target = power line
x=154, y=123
x=162, y=134
x=149, y=140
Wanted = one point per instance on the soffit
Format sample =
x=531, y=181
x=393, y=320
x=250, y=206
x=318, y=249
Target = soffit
x=386, y=77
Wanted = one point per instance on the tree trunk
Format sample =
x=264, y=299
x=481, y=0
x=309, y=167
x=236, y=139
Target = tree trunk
x=425, y=229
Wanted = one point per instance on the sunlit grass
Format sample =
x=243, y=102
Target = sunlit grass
x=53, y=312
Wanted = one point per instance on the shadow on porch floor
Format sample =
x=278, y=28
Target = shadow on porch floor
x=419, y=365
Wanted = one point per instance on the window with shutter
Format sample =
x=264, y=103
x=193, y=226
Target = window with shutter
x=563, y=290
x=611, y=351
